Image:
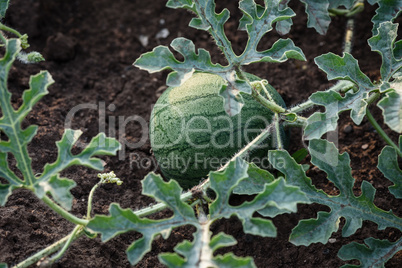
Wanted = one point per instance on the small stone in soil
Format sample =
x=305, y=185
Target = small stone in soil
x=365, y=146
x=348, y=129
x=162, y=33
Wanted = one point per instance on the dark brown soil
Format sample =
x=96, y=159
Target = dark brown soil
x=90, y=47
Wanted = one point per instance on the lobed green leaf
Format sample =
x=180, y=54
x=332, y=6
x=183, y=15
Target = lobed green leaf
x=276, y=195
x=124, y=220
x=254, y=182
x=10, y=122
x=388, y=10
x=190, y=251
x=222, y=240
x=59, y=188
x=344, y=68
x=199, y=253
x=384, y=43
x=223, y=183
x=375, y=254
x=321, y=123
x=353, y=208
x=257, y=21
x=276, y=198
x=18, y=139
x=388, y=165
x=318, y=16
x=162, y=58
x=229, y=260
x=189, y=4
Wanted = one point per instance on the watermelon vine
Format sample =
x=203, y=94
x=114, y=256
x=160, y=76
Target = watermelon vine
x=201, y=89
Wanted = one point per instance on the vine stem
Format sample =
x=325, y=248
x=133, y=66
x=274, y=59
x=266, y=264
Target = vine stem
x=66, y=245
x=50, y=249
x=68, y=216
x=269, y=103
x=341, y=86
x=90, y=197
x=10, y=30
x=381, y=132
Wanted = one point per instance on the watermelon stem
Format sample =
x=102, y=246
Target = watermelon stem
x=270, y=104
x=278, y=136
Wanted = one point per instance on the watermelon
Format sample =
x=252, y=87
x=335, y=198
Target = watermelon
x=191, y=134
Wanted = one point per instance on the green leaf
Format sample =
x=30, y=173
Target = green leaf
x=3, y=8
x=59, y=188
x=7, y=173
x=321, y=123
x=167, y=193
x=3, y=265
x=391, y=106
x=233, y=101
x=229, y=260
x=375, y=254
x=10, y=122
x=180, y=4
x=388, y=10
x=99, y=145
x=283, y=199
x=388, y=164
x=191, y=251
x=223, y=183
x=383, y=43
x=317, y=230
x=318, y=16
x=283, y=26
x=255, y=181
x=281, y=51
x=124, y=220
x=344, y=68
x=222, y=240
x=257, y=21
x=353, y=208
x=277, y=195
x=162, y=58
x=200, y=251
x=38, y=88
x=5, y=192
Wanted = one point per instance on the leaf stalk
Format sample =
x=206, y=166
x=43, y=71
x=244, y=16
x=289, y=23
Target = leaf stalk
x=50, y=249
x=68, y=216
x=381, y=132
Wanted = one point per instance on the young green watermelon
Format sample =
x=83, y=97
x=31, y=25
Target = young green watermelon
x=191, y=134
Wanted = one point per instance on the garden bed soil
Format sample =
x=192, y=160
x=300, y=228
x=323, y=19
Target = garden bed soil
x=90, y=47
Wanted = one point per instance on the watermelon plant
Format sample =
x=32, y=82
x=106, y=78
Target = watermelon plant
x=205, y=113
